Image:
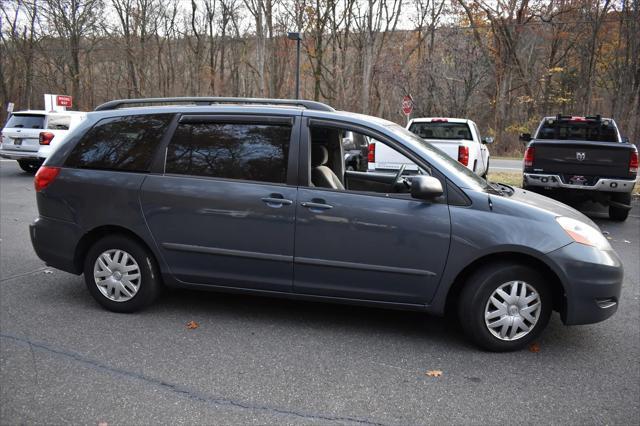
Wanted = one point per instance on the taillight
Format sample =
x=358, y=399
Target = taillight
x=46, y=138
x=371, y=157
x=529, y=155
x=44, y=177
x=439, y=120
x=633, y=163
x=463, y=155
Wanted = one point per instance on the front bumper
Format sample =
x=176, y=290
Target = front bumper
x=19, y=155
x=592, y=281
x=602, y=185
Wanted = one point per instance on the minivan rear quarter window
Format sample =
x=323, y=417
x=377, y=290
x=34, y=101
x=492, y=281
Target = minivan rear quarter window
x=256, y=152
x=25, y=121
x=125, y=143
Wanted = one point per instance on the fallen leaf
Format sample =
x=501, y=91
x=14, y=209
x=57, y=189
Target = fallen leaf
x=534, y=347
x=192, y=325
x=434, y=373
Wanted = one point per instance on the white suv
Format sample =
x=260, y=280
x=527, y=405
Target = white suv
x=31, y=136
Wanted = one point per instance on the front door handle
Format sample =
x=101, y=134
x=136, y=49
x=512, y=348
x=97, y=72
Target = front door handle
x=276, y=201
x=316, y=206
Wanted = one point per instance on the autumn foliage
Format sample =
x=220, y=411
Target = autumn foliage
x=502, y=63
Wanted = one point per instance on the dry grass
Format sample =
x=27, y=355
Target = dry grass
x=515, y=179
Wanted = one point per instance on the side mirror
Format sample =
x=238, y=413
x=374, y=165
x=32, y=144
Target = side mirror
x=525, y=137
x=425, y=187
x=625, y=139
x=487, y=140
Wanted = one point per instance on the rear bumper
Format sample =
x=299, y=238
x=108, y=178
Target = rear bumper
x=592, y=281
x=55, y=242
x=19, y=155
x=602, y=185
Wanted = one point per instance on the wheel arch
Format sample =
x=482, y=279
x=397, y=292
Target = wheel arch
x=99, y=232
x=556, y=286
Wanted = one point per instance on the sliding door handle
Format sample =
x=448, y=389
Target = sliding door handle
x=276, y=202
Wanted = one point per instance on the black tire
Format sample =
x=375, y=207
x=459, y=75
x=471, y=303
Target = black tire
x=617, y=213
x=486, y=170
x=149, y=284
x=29, y=166
x=474, y=299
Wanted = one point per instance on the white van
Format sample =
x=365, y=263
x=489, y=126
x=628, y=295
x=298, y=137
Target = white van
x=31, y=136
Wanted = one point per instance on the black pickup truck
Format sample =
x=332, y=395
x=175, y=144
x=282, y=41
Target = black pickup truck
x=581, y=158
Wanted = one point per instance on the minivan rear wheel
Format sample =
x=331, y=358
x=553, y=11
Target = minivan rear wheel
x=504, y=307
x=121, y=274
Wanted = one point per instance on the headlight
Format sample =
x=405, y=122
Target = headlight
x=583, y=233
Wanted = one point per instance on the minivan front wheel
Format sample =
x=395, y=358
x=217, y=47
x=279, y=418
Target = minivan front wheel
x=503, y=307
x=120, y=274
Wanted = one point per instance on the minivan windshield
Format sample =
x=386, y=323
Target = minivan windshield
x=26, y=121
x=471, y=180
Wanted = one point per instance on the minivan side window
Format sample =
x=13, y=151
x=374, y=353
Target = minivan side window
x=257, y=152
x=125, y=143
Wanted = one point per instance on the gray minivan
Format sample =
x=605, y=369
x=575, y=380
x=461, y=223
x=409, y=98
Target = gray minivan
x=253, y=196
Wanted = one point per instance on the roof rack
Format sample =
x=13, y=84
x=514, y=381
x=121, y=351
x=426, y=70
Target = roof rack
x=313, y=105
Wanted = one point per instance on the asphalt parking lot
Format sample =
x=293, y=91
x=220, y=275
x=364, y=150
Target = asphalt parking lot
x=264, y=361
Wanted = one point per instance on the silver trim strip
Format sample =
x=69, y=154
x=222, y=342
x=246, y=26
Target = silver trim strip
x=301, y=260
x=362, y=266
x=603, y=184
x=228, y=252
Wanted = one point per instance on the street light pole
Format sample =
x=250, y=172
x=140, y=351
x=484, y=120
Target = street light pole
x=298, y=38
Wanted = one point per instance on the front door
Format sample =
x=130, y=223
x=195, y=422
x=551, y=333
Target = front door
x=223, y=213
x=381, y=246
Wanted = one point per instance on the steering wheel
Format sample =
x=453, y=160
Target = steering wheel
x=395, y=179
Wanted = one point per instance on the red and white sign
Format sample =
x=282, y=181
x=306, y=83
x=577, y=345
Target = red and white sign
x=407, y=105
x=64, y=101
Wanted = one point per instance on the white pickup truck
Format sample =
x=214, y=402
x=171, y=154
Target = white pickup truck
x=31, y=136
x=457, y=137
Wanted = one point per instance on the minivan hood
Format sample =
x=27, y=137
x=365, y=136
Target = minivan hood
x=550, y=205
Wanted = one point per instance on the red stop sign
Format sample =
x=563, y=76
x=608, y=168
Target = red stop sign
x=407, y=105
x=64, y=101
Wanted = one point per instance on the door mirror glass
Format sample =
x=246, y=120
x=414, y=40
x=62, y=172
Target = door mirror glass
x=625, y=139
x=525, y=137
x=425, y=187
x=487, y=140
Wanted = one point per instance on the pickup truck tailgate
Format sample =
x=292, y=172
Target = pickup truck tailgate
x=580, y=158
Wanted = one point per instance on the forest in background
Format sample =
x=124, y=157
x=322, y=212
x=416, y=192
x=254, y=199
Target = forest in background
x=502, y=63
